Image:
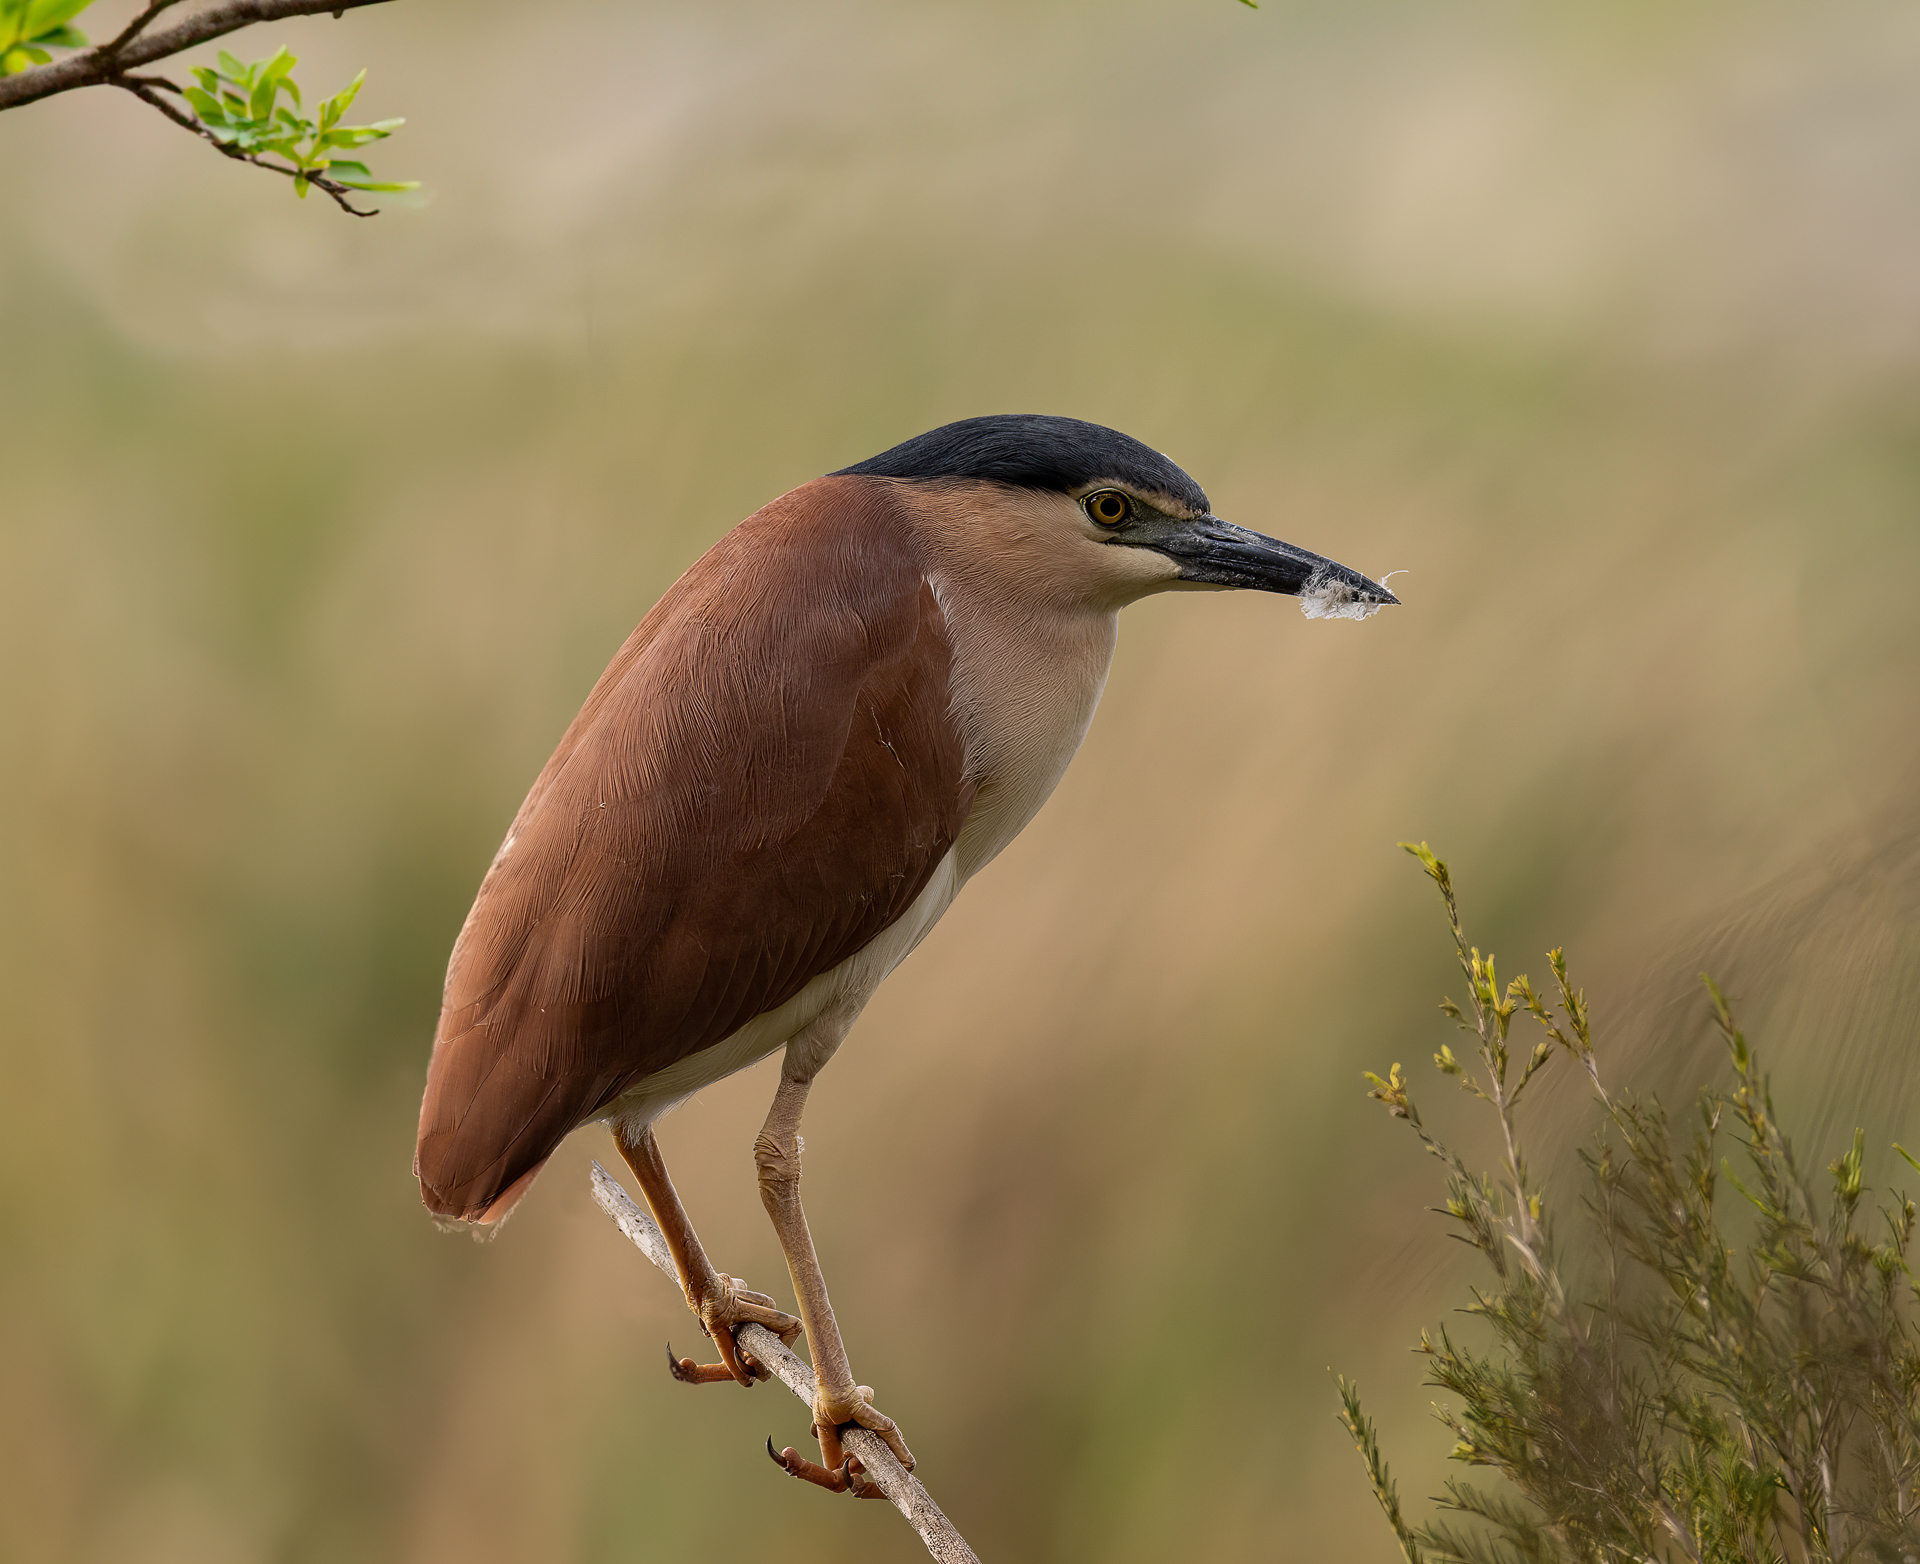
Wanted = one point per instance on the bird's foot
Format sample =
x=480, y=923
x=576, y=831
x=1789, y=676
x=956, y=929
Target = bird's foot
x=723, y=1308
x=836, y=1479
x=836, y=1469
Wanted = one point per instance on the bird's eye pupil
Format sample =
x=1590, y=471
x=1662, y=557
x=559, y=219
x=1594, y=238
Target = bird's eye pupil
x=1108, y=509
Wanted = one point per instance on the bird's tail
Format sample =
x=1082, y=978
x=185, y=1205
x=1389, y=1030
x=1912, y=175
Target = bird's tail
x=482, y=1222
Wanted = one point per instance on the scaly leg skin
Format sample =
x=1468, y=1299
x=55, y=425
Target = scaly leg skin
x=720, y=1302
x=837, y=1400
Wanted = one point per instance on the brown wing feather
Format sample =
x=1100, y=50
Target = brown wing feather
x=763, y=779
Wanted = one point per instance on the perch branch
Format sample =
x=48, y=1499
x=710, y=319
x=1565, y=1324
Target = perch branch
x=900, y=1486
x=103, y=64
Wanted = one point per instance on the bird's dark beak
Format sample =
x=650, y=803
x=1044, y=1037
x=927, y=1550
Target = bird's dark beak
x=1218, y=553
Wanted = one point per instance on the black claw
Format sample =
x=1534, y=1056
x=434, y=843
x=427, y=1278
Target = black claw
x=773, y=1456
x=678, y=1367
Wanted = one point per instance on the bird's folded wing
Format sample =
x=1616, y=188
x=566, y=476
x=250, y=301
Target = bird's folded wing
x=761, y=782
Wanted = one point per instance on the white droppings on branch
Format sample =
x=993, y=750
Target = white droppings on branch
x=902, y=1488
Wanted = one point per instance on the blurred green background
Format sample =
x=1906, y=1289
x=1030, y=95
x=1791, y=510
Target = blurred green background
x=1601, y=320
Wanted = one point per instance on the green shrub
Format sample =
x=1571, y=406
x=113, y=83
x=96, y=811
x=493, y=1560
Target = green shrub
x=1697, y=1399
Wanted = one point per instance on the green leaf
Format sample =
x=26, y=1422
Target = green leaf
x=1757, y=1203
x=206, y=106
x=43, y=16
x=1846, y=1171
x=1425, y=854
x=368, y=184
x=357, y=169
x=230, y=65
x=354, y=135
x=341, y=101
x=266, y=82
x=29, y=27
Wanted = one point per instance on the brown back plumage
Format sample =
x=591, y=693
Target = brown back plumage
x=762, y=781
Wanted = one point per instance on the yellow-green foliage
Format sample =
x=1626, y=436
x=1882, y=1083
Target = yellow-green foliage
x=31, y=29
x=1736, y=1380
x=240, y=106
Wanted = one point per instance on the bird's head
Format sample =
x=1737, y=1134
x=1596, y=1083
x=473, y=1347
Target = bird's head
x=1103, y=516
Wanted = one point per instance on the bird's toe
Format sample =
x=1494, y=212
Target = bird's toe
x=722, y=1310
x=835, y=1479
x=688, y=1372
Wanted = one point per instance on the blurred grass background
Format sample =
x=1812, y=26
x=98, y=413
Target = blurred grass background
x=1601, y=320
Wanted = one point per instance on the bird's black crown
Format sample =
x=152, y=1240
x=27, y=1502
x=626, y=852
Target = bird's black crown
x=1033, y=451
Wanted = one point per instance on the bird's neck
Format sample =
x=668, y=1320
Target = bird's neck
x=1027, y=674
x=1025, y=692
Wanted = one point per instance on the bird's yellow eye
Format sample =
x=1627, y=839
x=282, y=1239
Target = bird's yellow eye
x=1109, y=507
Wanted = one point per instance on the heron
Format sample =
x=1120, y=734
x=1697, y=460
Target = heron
x=841, y=713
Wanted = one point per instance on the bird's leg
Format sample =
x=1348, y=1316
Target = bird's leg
x=837, y=1400
x=721, y=1302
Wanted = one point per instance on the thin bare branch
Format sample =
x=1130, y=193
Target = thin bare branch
x=137, y=26
x=134, y=47
x=900, y=1486
x=142, y=87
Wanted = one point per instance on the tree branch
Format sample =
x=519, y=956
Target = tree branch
x=900, y=1486
x=105, y=63
x=142, y=88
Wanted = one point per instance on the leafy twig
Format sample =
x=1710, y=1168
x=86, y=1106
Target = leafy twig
x=240, y=109
x=236, y=107
x=1358, y=1424
x=142, y=87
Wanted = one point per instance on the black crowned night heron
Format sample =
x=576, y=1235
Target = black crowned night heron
x=828, y=725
